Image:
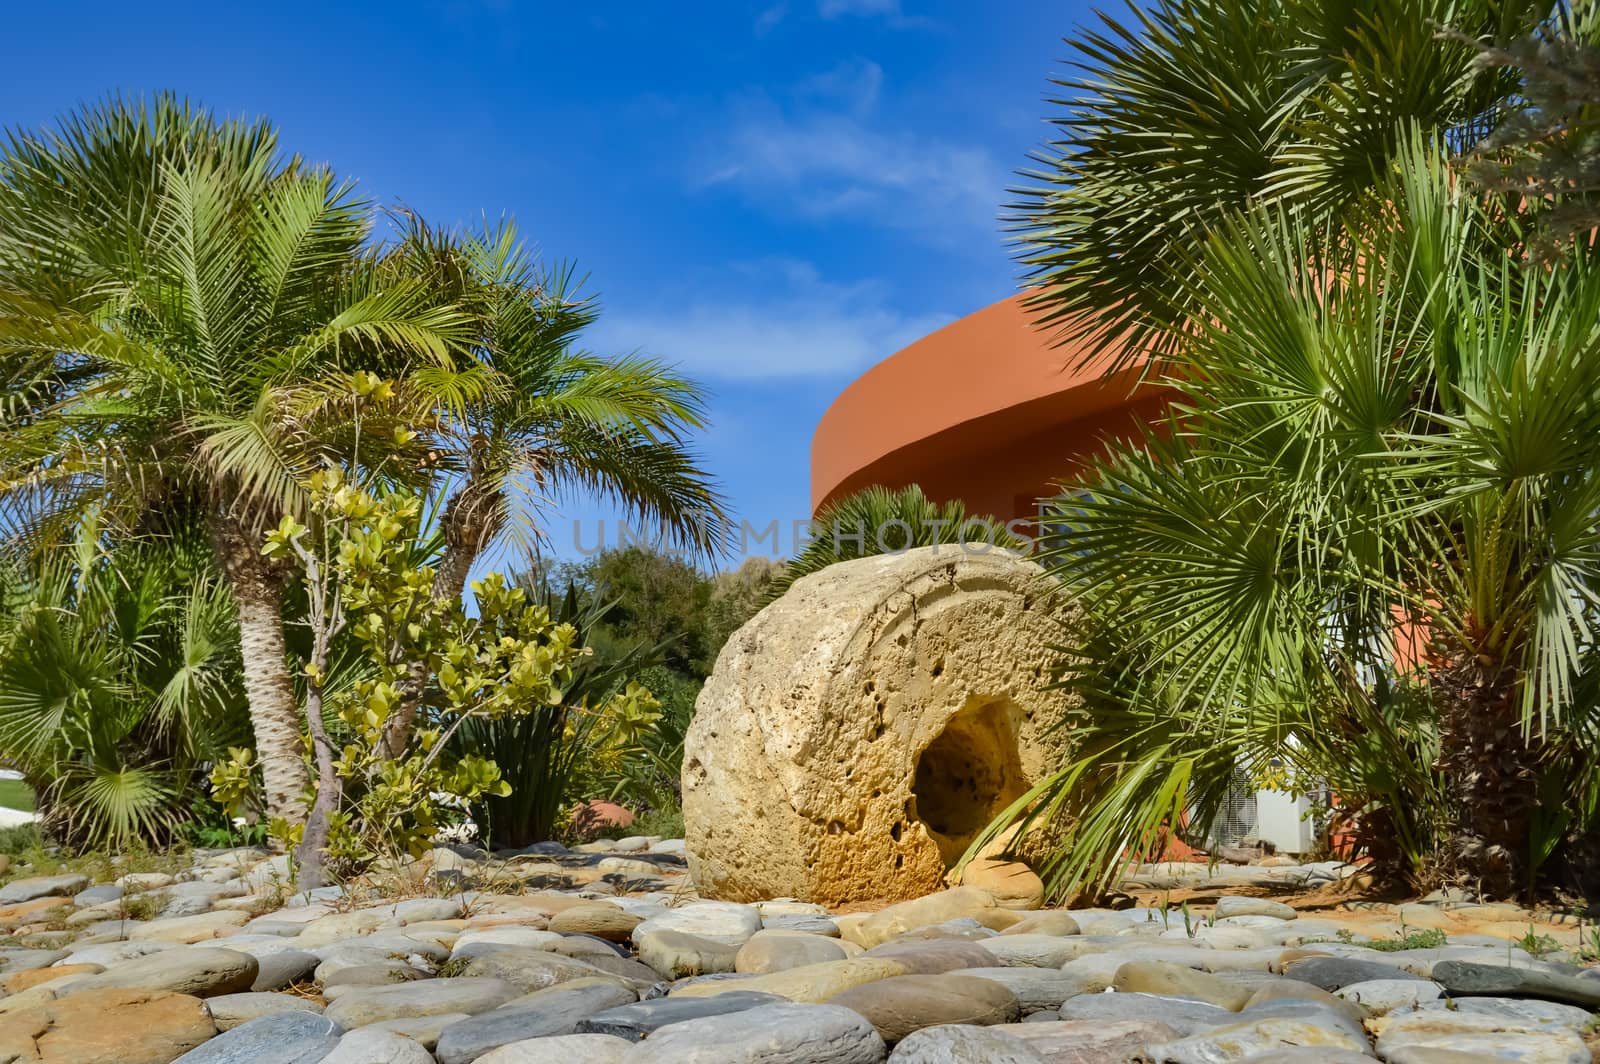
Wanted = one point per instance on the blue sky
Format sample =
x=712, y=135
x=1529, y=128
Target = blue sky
x=773, y=194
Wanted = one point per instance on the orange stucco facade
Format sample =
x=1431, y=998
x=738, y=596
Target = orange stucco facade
x=986, y=410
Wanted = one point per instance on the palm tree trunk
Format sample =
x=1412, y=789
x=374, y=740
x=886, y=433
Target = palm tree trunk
x=470, y=521
x=468, y=528
x=257, y=588
x=1490, y=768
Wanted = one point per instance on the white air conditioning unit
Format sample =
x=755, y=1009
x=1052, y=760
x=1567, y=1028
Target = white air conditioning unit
x=1285, y=822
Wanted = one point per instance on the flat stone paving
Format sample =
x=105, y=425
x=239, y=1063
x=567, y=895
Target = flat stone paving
x=605, y=954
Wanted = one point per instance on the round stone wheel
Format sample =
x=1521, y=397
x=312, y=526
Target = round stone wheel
x=858, y=733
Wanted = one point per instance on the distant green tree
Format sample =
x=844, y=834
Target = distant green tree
x=736, y=596
x=654, y=599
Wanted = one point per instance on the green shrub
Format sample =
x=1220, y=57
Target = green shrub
x=119, y=678
x=14, y=842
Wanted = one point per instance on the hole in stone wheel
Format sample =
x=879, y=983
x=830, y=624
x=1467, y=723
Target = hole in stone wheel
x=968, y=774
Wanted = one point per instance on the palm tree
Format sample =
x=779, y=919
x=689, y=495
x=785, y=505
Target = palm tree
x=1366, y=550
x=175, y=296
x=119, y=680
x=1194, y=109
x=558, y=418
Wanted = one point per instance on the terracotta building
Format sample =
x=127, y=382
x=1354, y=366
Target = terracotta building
x=985, y=410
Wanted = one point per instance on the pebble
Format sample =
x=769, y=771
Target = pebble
x=281, y=968
x=1529, y=1012
x=956, y=1044
x=106, y=954
x=1174, y=980
x=530, y=970
x=21, y=890
x=1091, y=1040
x=287, y=1038
x=424, y=1030
x=1038, y=988
x=1045, y=923
x=1029, y=950
x=811, y=983
x=525, y=937
x=725, y=922
x=104, y=1027
x=1239, y=1041
x=896, y=920
x=561, y=1049
x=234, y=1010
x=678, y=954
x=600, y=920
x=184, y=930
x=776, y=951
x=199, y=972
x=1417, y=1036
x=768, y=1034
x=1237, y=905
x=371, y=1046
x=1466, y=977
x=20, y=960
x=378, y=973
x=902, y=1004
x=1333, y=973
x=1186, y=1017
x=366, y=1005
x=633, y=1022
x=422, y=910
x=1379, y=996
x=136, y=882
x=101, y=895
x=553, y=1011
x=933, y=957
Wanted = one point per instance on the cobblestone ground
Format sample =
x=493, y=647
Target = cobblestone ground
x=605, y=954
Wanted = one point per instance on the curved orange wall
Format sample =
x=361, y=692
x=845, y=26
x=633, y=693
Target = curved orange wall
x=985, y=410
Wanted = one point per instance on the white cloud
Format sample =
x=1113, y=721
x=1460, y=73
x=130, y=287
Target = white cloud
x=825, y=149
x=831, y=165
x=835, y=8
x=884, y=9
x=769, y=19
x=855, y=83
x=809, y=328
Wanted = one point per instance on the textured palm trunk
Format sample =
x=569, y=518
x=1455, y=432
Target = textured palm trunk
x=274, y=716
x=467, y=530
x=1490, y=768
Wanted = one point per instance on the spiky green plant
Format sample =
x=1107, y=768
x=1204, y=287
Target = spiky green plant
x=544, y=755
x=119, y=679
x=1381, y=469
x=1182, y=112
x=879, y=520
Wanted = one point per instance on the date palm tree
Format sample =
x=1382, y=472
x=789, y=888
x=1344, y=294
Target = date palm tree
x=173, y=288
x=558, y=420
